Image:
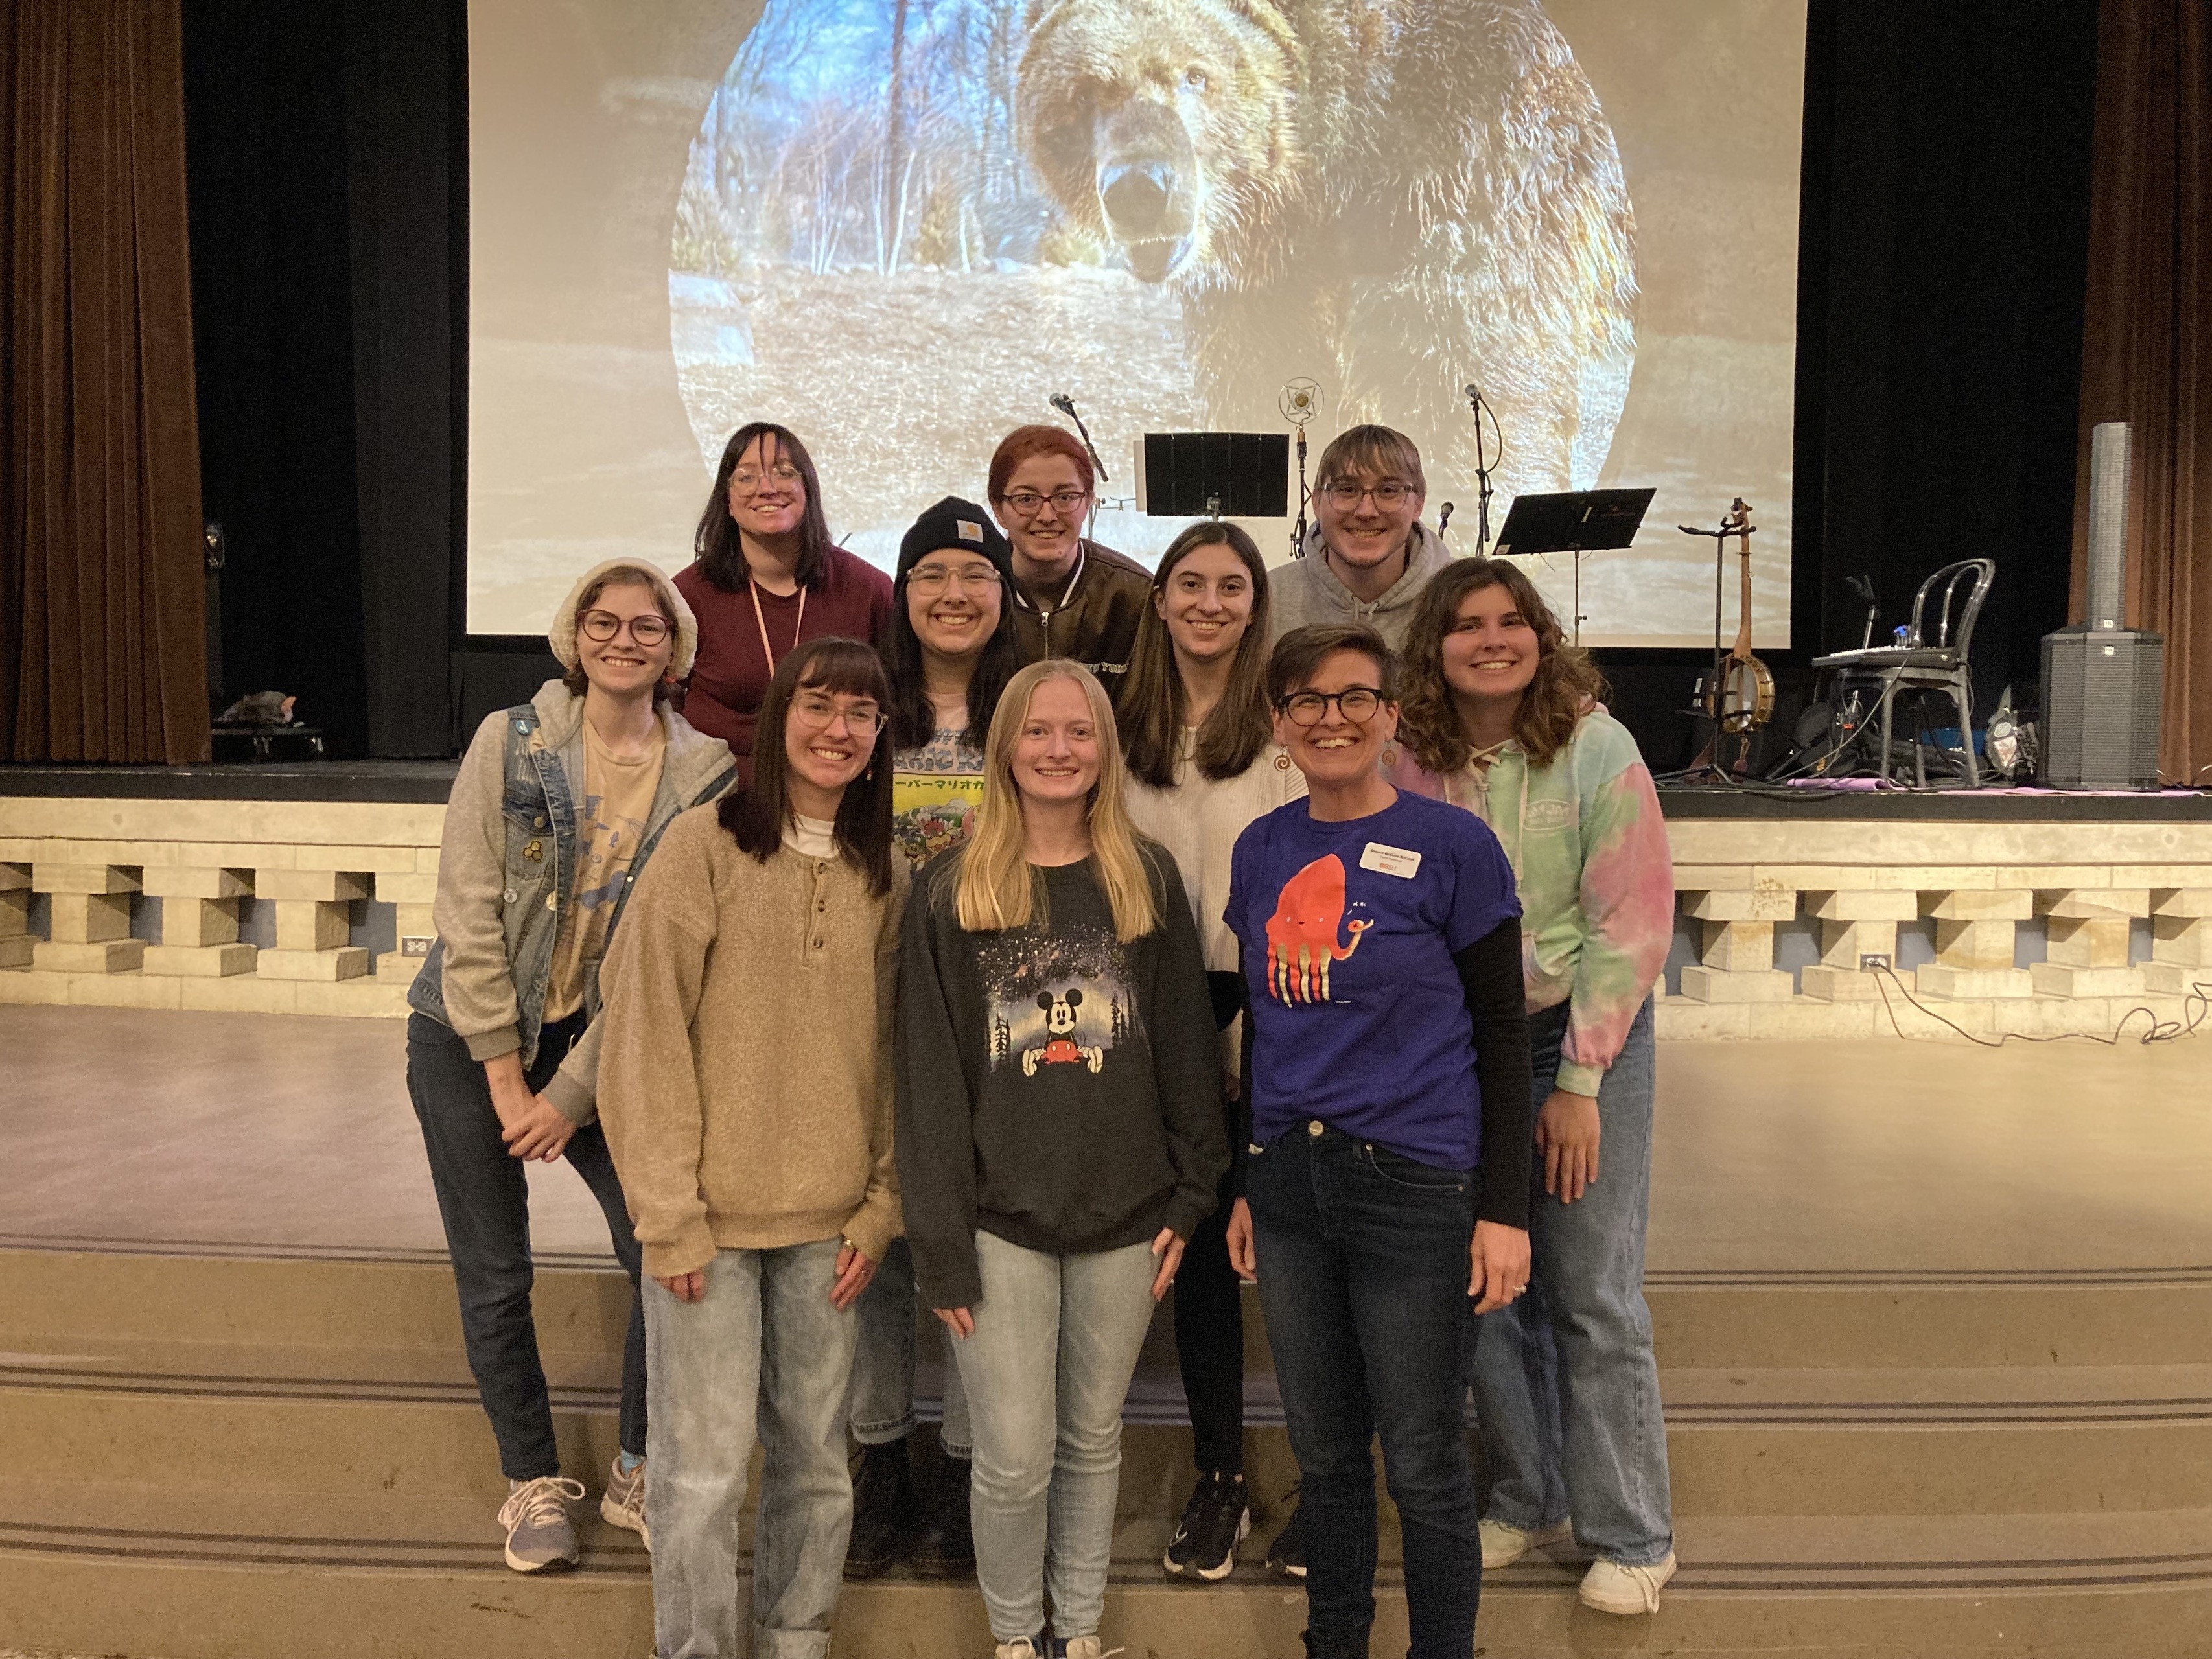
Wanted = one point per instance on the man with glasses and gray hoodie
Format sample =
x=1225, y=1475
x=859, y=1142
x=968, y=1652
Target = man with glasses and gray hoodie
x=1368, y=555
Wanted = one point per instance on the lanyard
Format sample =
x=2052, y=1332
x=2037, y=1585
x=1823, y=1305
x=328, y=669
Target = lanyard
x=761, y=621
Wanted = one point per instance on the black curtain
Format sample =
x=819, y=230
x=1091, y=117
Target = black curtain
x=1943, y=259
x=265, y=98
x=330, y=308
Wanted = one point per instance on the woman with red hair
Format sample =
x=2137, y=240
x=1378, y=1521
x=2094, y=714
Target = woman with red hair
x=1072, y=597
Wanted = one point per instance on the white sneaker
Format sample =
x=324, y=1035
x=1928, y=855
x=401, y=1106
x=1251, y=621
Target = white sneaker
x=1502, y=1546
x=1023, y=1649
x=1083, y=1647
x=1611, y=1587
x=540, y=1536
x=623, y=1504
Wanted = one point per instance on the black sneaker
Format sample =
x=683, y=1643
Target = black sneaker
x=1286, y=1555
x=1213, y=1523
x=883, y=1510
x=945, y=1546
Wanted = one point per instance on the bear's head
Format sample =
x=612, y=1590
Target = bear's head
x=1164, y=126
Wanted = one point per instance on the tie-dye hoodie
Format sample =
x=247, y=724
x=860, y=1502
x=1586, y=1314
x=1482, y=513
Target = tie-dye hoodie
x=1588, y=848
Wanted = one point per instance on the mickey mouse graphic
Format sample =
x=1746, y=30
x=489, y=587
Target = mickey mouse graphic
x=1061, y=1049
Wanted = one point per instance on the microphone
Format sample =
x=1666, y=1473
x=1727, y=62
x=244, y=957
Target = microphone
x=1474, y=394
x=1066, y=406
x=1443, y=519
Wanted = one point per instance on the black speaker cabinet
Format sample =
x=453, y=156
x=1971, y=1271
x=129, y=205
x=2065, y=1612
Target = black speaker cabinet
x=2101, y=692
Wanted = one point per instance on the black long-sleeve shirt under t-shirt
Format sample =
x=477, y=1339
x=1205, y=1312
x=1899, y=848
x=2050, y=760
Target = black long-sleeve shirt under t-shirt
x=1057, y=1088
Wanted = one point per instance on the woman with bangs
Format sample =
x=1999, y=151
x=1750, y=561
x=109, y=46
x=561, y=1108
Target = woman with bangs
x=766, y=577
x=1060, y=1137
x=1504, y=718
x=1198, y=736
x=745, y=1084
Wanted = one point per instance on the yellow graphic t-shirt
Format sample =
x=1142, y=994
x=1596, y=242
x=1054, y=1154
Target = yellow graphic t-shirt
x=611, y=823
x=935, y=788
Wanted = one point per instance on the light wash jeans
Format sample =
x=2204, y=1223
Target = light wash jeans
x=1565, y=1387
x=881, y=1408
x=1056, y=1341
x=763, y=1352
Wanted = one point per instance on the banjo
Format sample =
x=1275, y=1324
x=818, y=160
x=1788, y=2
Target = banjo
x=1740, y=697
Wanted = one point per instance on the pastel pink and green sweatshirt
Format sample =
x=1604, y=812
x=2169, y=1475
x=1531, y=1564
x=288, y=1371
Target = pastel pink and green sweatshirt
x=1589, y=850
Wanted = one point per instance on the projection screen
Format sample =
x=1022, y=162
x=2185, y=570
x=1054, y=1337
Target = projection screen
x=899, y=226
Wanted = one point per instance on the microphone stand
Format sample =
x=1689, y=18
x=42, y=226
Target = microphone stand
x=1066, y=406
x=1482, y=466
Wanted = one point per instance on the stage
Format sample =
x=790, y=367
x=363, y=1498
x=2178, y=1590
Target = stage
x=305, y=888
x=1935, y=1327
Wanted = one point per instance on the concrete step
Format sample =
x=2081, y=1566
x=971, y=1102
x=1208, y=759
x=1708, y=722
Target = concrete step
x=1702, y=1320
x=197, y=1573
x=1799, y=1441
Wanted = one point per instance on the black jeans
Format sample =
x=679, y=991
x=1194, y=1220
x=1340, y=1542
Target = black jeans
x=1363, y=1277
x=1209, y=1329
x=483, y=1197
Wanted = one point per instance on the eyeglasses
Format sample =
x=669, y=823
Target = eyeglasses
x=934, y=578
x=863, y=722
x=1025, y=503
x=746, y=482
x=1389, y=495
x=648, y=630
x=1356, y=703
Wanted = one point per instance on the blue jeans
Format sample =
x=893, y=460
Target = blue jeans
x=483, y=1198
x=764, y=1352
x=881, y=1407
x=1564, y=1381
x=1056, y=1341
x=1363, y=1258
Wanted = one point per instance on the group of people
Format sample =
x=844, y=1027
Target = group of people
x=1017, y=938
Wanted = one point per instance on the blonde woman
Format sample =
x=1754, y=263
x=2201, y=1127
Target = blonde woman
x=1060, y=1136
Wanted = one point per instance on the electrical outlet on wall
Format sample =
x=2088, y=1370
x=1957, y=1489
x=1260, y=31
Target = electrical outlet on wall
x=1870, y=960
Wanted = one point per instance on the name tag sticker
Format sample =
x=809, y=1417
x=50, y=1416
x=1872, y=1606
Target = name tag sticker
x=1390, y=860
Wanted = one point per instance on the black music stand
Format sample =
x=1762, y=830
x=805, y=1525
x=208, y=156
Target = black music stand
x=1574, y=521
x=1205, y=475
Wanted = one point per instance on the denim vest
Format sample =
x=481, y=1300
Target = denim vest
x=540, y=818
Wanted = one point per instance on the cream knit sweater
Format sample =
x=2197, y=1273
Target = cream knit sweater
x=746, y=1076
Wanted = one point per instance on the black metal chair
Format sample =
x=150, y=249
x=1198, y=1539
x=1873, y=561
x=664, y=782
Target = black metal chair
x=1933, y=658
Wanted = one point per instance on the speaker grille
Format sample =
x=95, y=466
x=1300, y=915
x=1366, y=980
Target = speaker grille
x=2101, y=696
x=2108, y=523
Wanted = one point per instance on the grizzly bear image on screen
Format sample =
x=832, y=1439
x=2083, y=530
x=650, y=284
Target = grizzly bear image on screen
x=1396, y=196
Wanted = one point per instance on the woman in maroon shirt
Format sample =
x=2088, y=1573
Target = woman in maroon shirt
x=766, y=577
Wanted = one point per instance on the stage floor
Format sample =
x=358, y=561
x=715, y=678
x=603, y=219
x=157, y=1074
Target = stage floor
x=260, y=1134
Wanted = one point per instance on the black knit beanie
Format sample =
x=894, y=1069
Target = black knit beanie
x=955, y=524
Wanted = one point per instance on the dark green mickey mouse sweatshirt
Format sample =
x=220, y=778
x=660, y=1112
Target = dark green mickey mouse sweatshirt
x=1056, y=1088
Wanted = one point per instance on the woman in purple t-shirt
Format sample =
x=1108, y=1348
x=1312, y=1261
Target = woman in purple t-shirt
x=1386, y=1170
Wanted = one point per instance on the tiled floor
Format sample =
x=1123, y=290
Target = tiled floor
x=268, y=1130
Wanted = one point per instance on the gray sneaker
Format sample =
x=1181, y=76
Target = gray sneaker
x=540, y=1536
x=623, y=1504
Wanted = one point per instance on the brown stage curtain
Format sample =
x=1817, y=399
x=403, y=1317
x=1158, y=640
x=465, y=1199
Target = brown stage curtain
x=102, y=590
x=2147, y=341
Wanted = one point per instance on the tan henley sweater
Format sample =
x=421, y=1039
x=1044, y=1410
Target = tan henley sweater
x=745, y=1075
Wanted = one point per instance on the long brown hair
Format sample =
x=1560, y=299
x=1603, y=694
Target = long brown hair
x=1567, y=682
x=757, y=815
x=1237, y=727
x=913, y=718
x=721, y=548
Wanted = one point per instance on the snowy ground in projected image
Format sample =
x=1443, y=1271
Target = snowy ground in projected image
x=903, y=386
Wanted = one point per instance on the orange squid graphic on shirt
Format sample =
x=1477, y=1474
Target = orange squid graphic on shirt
x=1301, y=934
